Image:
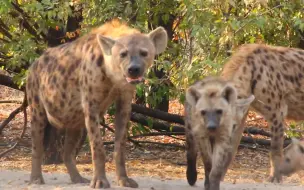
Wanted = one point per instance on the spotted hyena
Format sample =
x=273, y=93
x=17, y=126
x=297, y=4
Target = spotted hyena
x=274, y=75
x=293, y=158
x=72, y=85
x=212, y=114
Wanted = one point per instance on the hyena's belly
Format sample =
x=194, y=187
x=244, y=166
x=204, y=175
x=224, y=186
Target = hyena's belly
x=64, y=109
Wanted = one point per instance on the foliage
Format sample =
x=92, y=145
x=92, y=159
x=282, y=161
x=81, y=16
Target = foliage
x=204, y=33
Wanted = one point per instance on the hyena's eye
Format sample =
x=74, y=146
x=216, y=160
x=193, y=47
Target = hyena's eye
x=219, y=112
x=143, y=53
x=287, y=160
x=203, y=112
x=123, y=54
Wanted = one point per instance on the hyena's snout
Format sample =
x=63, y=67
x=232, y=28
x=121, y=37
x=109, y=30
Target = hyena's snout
x=135, y=71
x=212, y=120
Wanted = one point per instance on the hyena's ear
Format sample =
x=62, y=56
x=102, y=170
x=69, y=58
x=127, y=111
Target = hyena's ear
x=242, y=105
x=106, y=44
x=192, y=96
x=159, y=38
x=229, y=93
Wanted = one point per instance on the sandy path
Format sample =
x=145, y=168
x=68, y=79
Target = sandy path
x=11, y=180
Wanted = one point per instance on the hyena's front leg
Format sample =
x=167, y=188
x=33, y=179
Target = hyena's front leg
x=98, y=153
x=191, y=156
x=206, y=152
x=123, y=110
x=222, y=155
x=276, y=147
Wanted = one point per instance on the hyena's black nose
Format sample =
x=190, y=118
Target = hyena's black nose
x=134, y=70
x=211, y=126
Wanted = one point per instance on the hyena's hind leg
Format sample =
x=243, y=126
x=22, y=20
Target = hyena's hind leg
x=72, y=140
x=38, y=124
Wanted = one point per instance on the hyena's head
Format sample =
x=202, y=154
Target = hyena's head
x=214, y=104
x=132, y=54
x=293, y=158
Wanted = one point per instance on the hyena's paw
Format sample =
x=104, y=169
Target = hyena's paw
x=99, y=182
x=127, y=182
x=37, y=180
x=275, y=178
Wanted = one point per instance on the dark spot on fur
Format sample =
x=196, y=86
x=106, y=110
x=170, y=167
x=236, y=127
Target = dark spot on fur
x=257, y=51
x=259, y=77
x=244, y=69
x=261, y=70
x=272, y=95
x=46, y=59
x=263, y=90
x=36, y=99
x=264, y=62
x=253, y=84
x=272, y=68
x=93, y=57
x=54, y=79
x=269, y=100
x=268, y=108
x=267, y=57
x=234, y=127
x=278, y=76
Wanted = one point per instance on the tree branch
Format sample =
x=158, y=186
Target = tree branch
x=8, y=81
x=174, y=118
x=24, y=105
x=13, y=114
x=24, y=21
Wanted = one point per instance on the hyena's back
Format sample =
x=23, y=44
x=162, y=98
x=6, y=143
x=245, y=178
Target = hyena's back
x=273, y=74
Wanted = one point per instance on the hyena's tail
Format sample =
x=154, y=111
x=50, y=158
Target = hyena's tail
x=47, y=134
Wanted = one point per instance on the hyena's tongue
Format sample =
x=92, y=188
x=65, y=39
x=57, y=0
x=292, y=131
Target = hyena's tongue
x=134, y=81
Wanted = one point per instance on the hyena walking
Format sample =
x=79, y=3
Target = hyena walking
x=212, y=114
x=274, y=75
x=72, y=85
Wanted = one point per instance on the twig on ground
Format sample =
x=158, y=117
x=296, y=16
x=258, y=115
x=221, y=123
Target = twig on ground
x=157, y=134
x=10, y=102
x=159, y=143
x=23, y=107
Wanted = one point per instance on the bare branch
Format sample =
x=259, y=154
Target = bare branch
x=10, y=102
x=24, y=105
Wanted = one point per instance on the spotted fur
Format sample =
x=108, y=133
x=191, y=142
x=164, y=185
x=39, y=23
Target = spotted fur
x=274, y=75
x=212, y=115
x=72, y=85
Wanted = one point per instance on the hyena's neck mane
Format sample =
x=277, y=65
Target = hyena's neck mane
x=115, y=29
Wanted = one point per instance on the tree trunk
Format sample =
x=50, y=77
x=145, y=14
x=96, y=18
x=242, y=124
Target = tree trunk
x=54, y=138
x=163, y=104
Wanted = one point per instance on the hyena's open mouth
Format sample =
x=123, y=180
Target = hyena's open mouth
x=135, y=80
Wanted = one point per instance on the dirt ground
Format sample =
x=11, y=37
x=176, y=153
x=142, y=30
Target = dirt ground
x=57, y=181
x=153, y=166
